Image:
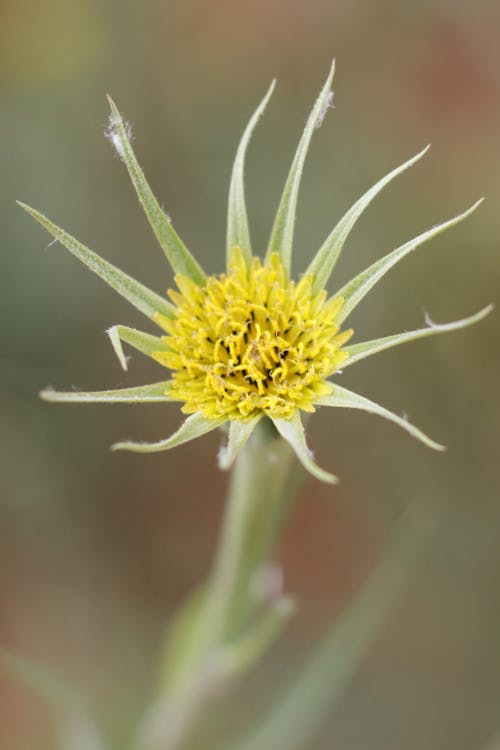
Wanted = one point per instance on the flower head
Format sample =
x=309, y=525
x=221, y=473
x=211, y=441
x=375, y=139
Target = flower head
x=250, y=343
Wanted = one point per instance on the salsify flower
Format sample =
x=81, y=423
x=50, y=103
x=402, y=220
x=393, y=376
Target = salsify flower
x=251, y=343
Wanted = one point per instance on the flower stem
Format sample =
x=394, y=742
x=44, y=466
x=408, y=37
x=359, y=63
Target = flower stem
x=230, y=605
x=257, y=502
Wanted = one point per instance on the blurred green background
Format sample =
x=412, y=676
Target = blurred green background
x=97, y=549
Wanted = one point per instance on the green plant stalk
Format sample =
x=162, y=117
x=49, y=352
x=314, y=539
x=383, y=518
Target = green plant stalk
x=257, y=502
x=260, y=494
x=261, y=490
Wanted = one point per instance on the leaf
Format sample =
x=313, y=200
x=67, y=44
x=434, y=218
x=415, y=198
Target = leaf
x=75, y=728
x=176, y=252
x=292, y=430
x=343, y=398
x=237, y=221
x=281, y=239
x=154, y=393
x=239, y=432
x=139, y=296
x=367, y=348
x=143, y=342
x=181, y=639
x=38, y=679
x=314, y=694
x=325, y=259
x=194, y=426
x=354, y=291
x=243, y=654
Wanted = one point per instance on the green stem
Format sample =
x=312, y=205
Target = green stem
x=260, y=494
x=256, y=506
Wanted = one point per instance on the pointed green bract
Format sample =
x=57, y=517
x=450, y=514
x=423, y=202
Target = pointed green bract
x=325, y=259
x=343, y=398
x=292, y=430
x=237, y=220
x=143, y=342
x=354, y=291
x=176, y=252
x=239, y=432
x=137, y=294
x=194, y=426
x=154, y=393
x=367, y=348
x=281, y=239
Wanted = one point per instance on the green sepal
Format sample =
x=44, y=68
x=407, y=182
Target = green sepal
x=137, y=294
x=281, y=240
x=325, y=259
x=194, y=426
x=153, y=393
x=176, y=252
x=367, y=348
x=239, y=432
x=292, y=430
x=143, y=342
x=238, y=234
x=354, y=291
x=343, y=398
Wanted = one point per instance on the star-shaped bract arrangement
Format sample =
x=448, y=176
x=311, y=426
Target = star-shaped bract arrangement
x=251, y=343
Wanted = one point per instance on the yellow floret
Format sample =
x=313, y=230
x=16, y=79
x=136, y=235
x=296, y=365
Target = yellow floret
x=251, y=341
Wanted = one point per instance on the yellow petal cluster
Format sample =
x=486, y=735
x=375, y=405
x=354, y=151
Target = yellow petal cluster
x=251, y=341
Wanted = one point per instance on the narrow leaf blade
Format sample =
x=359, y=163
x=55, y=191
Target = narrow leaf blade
x=295, y=717
x=153, y=393
x=38, y=679
x=75, y=728
x=194, y=426
x=181, y=639
x=354, y=291
x=367, y=348
x=242, y=655
x=281, y=239
x=237, y=221
x=292, y=430
x=343, y=398
x=325, y=259
x=176, y=252
x=137, y=294
x=239, y=432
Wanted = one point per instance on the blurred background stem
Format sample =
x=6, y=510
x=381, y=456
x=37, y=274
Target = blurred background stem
x=303, y=706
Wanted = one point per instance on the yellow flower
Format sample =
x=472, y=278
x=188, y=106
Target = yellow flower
x=250, y=343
